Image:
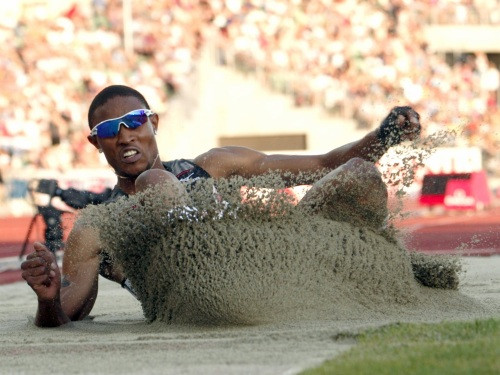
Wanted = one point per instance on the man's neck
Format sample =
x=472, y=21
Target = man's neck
x=126, y=184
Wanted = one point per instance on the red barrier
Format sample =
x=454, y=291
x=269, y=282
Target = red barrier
x=456, y=191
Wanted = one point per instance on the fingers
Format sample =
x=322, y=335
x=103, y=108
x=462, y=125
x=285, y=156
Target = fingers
x=33, y=262
x=35, y=281
x=38, y=258
x=406, y=114
x=38, y=272
x=32, y=255
x=409, y=123
x=37, y=269
x=38, y=275
x=38, y=246
x=39, y=266
x=405, y=110
x=402, y=123
x=40, y=249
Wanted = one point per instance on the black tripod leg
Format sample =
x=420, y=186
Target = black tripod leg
x=26, y=240
x=53, y=228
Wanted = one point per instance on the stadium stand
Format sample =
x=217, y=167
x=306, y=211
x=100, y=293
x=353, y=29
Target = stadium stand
x=354, y=58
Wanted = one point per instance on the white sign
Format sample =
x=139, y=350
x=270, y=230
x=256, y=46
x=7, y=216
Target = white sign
x=454, y=160
x=460, y=199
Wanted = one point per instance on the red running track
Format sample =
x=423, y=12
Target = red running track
x=475, y=233
x=466, y=233
x=13, y=232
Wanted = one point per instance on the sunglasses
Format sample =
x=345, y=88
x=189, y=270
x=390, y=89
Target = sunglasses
x=132, y=120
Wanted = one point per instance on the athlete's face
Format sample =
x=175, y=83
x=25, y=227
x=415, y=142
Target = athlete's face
x=131, y=151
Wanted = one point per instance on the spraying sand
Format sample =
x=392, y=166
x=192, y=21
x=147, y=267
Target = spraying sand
x=262, y=287
x=261, y=261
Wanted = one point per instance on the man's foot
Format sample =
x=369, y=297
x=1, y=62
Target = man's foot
x=354, y=193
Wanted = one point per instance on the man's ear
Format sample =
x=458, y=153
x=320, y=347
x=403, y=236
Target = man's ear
x=92, y=140
x=154, y=122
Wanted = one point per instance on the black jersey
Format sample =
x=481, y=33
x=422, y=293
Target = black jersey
x=184, y=169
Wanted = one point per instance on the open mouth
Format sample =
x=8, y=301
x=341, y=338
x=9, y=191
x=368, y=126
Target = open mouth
x=131, y=156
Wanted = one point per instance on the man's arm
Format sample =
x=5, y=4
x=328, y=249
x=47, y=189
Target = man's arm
x=71, y=297
x=401, y=124
x=42, y=274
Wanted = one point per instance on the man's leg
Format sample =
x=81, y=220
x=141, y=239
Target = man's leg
x=354, y=193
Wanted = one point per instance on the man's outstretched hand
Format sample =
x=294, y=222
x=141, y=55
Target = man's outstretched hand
x=401, y=124
x=42, y=274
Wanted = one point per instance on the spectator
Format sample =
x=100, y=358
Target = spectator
x=345, y=55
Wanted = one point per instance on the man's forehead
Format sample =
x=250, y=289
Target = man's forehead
x=116, y=107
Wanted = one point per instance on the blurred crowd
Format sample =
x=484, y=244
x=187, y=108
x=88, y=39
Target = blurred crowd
x=356, y=58
x=51, y=67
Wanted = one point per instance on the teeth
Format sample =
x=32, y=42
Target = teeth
x=130, y=153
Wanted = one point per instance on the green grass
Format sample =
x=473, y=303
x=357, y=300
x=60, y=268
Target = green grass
x=446, y=348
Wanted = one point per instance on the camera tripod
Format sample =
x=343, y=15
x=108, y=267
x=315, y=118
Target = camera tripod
x=50, y=215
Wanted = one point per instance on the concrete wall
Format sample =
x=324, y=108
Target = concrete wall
x=222, y=102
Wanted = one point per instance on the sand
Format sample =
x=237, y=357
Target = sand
x=265, y=260
x=119, y=340
x=225, y=308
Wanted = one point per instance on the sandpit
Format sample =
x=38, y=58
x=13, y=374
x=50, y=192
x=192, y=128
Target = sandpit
x=240, y=309
x=118, y=340
x=258, y=261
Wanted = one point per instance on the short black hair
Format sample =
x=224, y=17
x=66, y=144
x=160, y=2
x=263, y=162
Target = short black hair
x=111, y=92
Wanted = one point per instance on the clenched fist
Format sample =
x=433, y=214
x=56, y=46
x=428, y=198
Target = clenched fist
x=42, y=274
x=402, y=124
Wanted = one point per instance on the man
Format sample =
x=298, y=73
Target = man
x=123, y=127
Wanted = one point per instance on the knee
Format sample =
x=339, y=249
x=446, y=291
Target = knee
x=153, y=177
x=361, y=167
x=359, y=163
x=356, y=161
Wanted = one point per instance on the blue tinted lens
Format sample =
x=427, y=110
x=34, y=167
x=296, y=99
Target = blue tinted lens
x=108, y=129
x=132, y=120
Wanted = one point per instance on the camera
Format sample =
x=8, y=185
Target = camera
x=48, y=187
x=42, y=191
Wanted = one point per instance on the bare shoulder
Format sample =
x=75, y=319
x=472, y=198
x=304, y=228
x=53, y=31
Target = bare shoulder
x=83, y=242
x=228, y=161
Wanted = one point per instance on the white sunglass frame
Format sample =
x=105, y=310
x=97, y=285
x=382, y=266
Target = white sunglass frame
x=147, y=112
